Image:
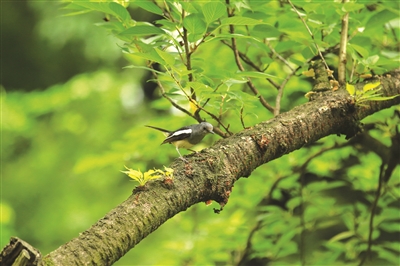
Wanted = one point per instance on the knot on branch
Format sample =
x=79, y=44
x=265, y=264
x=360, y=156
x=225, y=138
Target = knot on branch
x=321, y=76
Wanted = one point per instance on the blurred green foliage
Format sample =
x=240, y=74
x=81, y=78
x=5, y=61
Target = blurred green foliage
x=65, y=138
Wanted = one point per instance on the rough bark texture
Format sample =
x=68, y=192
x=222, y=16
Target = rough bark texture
x=211, y=174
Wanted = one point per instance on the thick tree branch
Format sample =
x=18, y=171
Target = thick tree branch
x=211, y=174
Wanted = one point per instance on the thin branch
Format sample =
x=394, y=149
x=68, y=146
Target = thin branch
x=342, y=51
x=373, y=210
x=279, y=56
x=196, y=115
x=174, y=104
x=247, y=60
x=241, y=68
x=249, y=82
x=188, y=62
x=279, y=96
x=312, y=36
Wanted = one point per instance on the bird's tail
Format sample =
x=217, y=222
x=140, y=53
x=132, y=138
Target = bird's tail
x=166, y=132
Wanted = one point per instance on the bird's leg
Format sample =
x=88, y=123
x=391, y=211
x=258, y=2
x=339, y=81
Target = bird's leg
x=183, y=159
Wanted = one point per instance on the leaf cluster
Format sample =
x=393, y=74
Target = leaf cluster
x=143, y=178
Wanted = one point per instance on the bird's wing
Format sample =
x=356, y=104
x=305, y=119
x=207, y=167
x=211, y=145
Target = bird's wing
x=180, y=134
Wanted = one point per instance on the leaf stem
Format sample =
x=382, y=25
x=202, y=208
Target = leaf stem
x=312, y=36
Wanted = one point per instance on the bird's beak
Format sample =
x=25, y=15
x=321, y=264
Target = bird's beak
x=212, y=132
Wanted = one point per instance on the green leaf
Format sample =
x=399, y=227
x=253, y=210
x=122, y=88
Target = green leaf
x=359, y=49
x=266, y=31
x=213, y=11
x=240, y=21
x=146, y=68
x=168, y=58
x=341, y=236
x=351, y=89
x=371, y=86
x=120, y=11
x=254, y=74
x=141, y=30
x=230, y=36
x=351, y=6
x=74, y=6
x=92, y=6
x=387, y=255
x=189, y=7
x=382, y=98
x=372, y=60
x=149, y=6
x=194, y=24
x=379, y=19
x=151, y=55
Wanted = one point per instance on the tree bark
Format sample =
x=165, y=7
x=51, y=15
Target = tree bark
x=211, y=173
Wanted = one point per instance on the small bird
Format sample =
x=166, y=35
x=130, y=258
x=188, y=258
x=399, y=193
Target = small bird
x=187, y=136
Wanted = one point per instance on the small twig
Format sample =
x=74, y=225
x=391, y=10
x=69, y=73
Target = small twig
x=342, y=51
x=279, y=56
x=188, y=53
x=249, y=82
x=353, y=69
x=280, y=92
x=163, y=93
x=247, y=60
x=312, y=36
x=241, y=117
x=193, y=101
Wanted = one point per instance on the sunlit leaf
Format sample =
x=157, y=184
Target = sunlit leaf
x=141, y=30
x=120, y=11
x=167, y=57
x=149, y=6
x=341, y=236
x=240, y=21
x=351, y=89
x=371, y=86
x=254, y=74
x=351, y=6
x=213, y=11
x=194, y=24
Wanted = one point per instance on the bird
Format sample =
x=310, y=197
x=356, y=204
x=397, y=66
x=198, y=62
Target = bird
x=187, y=136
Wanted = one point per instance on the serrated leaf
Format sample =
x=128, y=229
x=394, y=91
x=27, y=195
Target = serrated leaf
x=141, y=30
x=120, y=11
x=189, y=7
x=194, y=24
x=149, y=6
x=213, y=11
x=240, y=21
